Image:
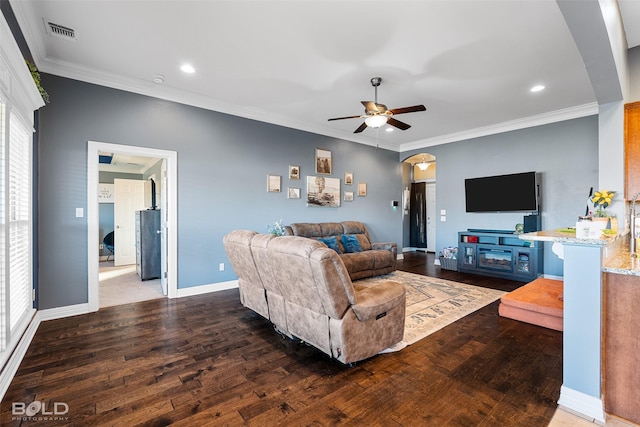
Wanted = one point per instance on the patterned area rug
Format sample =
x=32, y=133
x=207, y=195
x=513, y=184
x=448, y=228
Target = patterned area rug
x=434, y=303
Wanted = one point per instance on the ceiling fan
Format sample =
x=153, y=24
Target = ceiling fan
x=376, y=115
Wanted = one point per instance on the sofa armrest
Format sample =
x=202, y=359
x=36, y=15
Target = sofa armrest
x=375, y=301
x=392, y=246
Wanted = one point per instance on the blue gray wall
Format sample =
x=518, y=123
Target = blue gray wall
x=223, y=162
x=564, y=153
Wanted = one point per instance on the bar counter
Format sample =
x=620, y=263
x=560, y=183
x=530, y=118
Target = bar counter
x=601, y=369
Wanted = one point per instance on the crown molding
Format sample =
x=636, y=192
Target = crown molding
x=523, y=123
x=148, y=88
x=16, y=81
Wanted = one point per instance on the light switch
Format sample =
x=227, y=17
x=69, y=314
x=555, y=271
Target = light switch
x=79, y=212
x=443, y=218
x=443, y=211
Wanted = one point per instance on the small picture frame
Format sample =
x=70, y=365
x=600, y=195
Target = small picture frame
x=293, y=193
x=348, y=196
x=362, y=189
x=273, y=183
x=323, y=162
x=348, y=178
x=294, y=172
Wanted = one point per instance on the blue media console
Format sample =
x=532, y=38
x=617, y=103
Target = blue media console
x=499, y=254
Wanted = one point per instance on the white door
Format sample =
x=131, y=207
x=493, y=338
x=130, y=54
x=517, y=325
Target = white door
x=163, y=226
x=431, y=216
x=128, y=197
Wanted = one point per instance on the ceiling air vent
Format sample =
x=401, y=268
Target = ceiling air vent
x=61, y=31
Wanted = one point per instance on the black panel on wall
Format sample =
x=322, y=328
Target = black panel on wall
x=418, y=213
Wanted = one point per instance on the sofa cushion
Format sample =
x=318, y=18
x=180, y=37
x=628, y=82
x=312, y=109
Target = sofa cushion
x=358, y=261
x=306, y=229
x=365, y=244
x=351, y=243
x=373, y=302
x=382, y=258
x=330, y=229
x=331, y=242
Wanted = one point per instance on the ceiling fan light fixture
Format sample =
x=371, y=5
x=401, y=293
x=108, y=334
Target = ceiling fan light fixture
x=376, y=121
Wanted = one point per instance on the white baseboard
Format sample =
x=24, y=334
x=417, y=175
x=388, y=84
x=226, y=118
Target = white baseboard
x=61, y=312
x=205, y=289
x=553, y=277
x=583, y=404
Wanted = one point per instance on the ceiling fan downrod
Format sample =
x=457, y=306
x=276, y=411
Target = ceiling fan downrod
x=375, y=82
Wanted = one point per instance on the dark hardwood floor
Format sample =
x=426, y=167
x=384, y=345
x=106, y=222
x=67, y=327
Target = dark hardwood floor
x=206, y=360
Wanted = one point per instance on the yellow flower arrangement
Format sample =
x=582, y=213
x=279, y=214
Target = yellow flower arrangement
x=601, y=200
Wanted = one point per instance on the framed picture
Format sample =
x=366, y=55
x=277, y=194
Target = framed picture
x=322, y=191
x=294, y=172
x=362, y=189
x=348, y=178
x=348, y=196
x=273, y=183
x=323, y=162
x=293, y=193
x=105, y=193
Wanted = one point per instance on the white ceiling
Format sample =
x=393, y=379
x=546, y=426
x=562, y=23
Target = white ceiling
x=299, y=63
x=126, y=163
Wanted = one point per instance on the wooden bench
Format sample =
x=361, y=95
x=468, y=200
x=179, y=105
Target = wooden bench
x=538, y=302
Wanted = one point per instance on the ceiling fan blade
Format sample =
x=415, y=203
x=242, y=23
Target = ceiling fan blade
x=342, y=118
x=397, y=123
x=362, y=127
x=408, y=109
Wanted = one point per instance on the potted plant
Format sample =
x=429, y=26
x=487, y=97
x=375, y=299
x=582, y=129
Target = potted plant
x=601, y=201
x=277, y=229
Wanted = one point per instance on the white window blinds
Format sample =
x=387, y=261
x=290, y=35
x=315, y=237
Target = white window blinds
x=4, y=309
x=19, y=220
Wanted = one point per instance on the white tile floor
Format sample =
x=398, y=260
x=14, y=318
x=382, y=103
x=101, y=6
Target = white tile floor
x=564, y=418
x=122, y=285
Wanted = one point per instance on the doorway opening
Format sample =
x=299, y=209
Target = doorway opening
x=165, y=175
x=129, y=218
x=421, y=200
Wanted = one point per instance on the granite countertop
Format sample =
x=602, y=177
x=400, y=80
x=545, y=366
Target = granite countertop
x=568, y=237
x=616, y=257
x=620, y=261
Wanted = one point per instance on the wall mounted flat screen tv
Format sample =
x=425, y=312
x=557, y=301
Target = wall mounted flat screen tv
x=502, y=193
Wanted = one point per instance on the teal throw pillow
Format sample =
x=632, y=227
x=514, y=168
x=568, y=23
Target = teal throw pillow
x=350, y=243
x=331, y=242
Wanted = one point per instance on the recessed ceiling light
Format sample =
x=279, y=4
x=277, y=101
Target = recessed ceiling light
x=389, y=129
x=188, y=69
x=537, y=88
x=158, y=79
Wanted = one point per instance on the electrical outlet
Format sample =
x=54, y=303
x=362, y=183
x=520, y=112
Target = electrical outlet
x=101, y=246
x=221, y=266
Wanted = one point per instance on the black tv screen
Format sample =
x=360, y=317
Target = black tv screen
x=502, y=193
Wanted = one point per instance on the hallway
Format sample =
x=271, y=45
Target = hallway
x=122, y=285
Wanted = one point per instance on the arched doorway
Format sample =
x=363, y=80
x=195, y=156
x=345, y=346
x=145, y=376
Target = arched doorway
x=422, y=202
